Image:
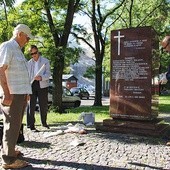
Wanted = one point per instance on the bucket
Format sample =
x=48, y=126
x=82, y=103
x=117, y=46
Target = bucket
x=88, y=118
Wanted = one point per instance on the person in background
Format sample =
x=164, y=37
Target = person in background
x=162, y=83
x=39, y=71
x=15, y=82
x=165, y=43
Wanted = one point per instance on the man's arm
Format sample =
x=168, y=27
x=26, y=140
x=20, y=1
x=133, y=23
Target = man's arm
x=7, y=96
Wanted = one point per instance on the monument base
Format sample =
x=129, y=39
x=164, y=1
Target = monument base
x=154, y=128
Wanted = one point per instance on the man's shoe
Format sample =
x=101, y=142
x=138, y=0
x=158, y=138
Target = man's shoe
x=33, y=129
x=46, y=126
x=16, y=164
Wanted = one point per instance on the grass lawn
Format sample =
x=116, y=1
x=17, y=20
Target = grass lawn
x=72, y=115
x=101, y=113
x=164, y=104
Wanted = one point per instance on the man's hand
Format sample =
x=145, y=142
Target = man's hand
x=38, y=78
x=7, y=100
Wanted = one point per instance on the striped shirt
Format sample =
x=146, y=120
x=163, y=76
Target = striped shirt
x=17, y=70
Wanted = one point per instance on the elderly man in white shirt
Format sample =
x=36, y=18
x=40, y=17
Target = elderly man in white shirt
x=15, y=82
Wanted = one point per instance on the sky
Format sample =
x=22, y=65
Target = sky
x=18, y=2
x=78, y=19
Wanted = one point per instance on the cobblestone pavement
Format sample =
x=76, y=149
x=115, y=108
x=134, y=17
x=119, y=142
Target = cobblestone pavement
x=96, y=151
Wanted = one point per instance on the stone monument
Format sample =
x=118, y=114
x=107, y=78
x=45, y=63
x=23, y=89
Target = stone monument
x=134, y=73
x=134, y=88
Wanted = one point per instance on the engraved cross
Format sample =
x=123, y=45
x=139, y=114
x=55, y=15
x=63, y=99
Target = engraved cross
x=118, y=37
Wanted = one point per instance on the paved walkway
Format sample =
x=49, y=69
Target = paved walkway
x=96, y=151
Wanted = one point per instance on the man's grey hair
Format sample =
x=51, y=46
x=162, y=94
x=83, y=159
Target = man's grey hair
x=15, y=32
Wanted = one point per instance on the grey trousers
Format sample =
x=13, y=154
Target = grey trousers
x=12, y=120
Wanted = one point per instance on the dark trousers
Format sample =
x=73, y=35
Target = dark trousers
x=39, y=95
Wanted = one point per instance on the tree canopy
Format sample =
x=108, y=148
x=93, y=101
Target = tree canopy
x=51, y=22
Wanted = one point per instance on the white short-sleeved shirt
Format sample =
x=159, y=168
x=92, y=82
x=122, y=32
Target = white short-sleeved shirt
x=36, y=69
x=17, y=71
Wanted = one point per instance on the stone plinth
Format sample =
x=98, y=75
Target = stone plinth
x=152, y=128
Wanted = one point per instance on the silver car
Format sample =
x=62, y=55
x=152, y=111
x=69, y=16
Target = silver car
x=68, y=100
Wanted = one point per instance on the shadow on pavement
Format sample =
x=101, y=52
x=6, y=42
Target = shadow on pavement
x=34, y=144
x=146, y=166
x=70, y=165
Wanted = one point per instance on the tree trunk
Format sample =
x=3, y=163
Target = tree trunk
x=57, y=78
x=60, y=43
x=98, y=81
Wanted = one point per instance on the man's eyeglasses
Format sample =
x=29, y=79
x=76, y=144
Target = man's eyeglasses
x=34, y=53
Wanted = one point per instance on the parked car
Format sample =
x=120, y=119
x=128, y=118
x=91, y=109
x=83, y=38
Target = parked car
x=91, y=91
x=80, y=92
x=68, y=100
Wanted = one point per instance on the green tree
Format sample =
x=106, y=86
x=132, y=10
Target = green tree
x=51, y=22
x=137, y=13
x=99, y=13
x=5, y=5
x=61, y=41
